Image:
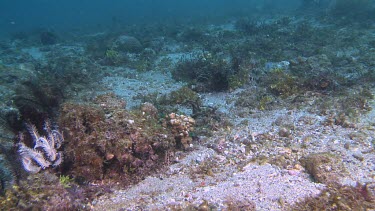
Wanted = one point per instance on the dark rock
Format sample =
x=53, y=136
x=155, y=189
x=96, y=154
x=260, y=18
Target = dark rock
x=126, y=43
x=48, y=38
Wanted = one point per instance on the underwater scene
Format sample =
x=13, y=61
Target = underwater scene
x=236, y=105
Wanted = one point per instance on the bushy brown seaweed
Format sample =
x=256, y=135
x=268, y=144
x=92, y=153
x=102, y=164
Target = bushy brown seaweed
x=105, y=141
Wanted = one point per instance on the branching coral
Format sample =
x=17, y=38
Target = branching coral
x=44, y=154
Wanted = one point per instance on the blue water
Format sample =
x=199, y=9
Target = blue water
x=16, y=15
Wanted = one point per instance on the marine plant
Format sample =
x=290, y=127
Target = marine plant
x=324, y=167
x=205, y=71
x=339, y=197
x=43, y=192
x=35, y=100
x=65, y=181
x=182, y=97
x=282, y=83
x=264, y=102
x=112, y=56
x=108, y=142
x=240, y=71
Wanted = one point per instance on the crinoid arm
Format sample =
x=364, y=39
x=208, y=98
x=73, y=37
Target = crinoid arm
x=33, y=132
x=29, y=166
x=32, y=160
x=43, y=144
x=58, y=138
x=59, y=159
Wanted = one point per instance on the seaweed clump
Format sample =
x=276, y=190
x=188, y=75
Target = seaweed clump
x=104, y=141
x=282, y=83
x=327, y=168
x=206, y=72
x=35, y=101
x=182, y=97
x=42, y=192
x=324, y=167
x=337, y=197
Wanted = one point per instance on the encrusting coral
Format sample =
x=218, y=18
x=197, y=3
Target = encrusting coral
x=44, y=154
